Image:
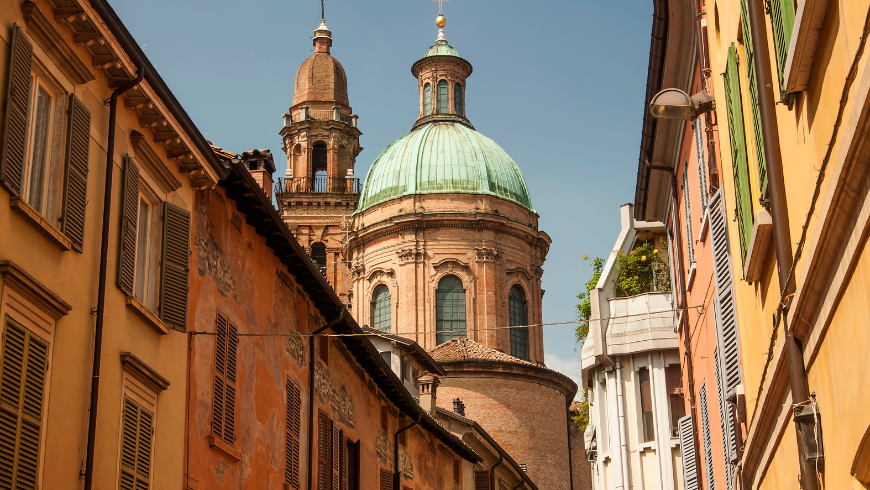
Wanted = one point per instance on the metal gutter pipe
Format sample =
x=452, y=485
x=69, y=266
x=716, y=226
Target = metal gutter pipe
x=397, y=473
x=492, y=470
x=101, y=290
x=797, y=374
x=568, y=428
x=312, y=360
x=623, y=436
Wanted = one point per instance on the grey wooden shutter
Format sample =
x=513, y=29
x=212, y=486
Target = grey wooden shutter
x=688, y=453
x=294, y=407
x=176, y=253
x=24, y=363
x=687, y=212
x=708, y=445
x=700, y=147
x=726, y=422
x=220, y=373
x=136, y=447
x=75, y=196
x=17, y=104
x=129, y=220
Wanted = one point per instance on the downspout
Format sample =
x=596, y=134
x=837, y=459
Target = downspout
x=568, y=427
x=311, y=362
x=492, y=470
x=101, y=291
x=623, y=442
x=397, y=473
x=797, y=374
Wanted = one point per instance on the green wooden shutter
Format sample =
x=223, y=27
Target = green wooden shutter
x=782, y=19
x=176, y=252
x=443, y=104
x=753, y=99
x=457, y=98
x=136, y=447
x=427, y=99
x=688, y=453
x=75, y=196
x=129, y=220
x=738, y=151
x=24, y=363
x=294, y=418
x=17, y=105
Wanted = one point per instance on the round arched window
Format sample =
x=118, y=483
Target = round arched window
x=449, y=309
x=519, y=316
x=381, y=308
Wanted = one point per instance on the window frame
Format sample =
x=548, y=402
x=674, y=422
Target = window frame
x=443, y=99
x=461, y=320
x=37, y=83
x=519, y=335
x=143, y=268
x=427, y=99
x=380, y=313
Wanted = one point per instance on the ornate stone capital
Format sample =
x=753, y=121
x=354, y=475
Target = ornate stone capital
x=357, y=271
x=411, y=255
x=486, y=254
x=537, y=271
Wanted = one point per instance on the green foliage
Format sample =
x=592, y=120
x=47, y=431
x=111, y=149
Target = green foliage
x=581, y=417
x=643, y=270
x=584, y=308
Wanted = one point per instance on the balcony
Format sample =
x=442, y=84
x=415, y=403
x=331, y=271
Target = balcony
x=641, y=323
x=305, y=113
x=318, y=185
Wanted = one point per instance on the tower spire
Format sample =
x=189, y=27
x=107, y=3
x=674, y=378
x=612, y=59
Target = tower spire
x=441, y=21
x=322, y=15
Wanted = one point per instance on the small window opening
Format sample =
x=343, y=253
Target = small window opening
x=646, y=404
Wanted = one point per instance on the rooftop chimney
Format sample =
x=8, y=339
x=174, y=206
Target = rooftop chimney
x=428, y=388
x=458, y=407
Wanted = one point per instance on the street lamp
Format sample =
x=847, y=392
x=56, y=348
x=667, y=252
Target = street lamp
x=809, y=424
x=673, y=103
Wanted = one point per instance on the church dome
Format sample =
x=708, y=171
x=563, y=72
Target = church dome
x=444, y=158
x=321, y=77
x=441, y=48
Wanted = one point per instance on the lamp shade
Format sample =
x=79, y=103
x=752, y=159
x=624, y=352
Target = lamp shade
x=672, y=103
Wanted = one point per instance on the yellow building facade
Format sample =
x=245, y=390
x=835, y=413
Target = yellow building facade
x=820, y=124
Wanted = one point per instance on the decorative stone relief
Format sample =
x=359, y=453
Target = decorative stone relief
x=357, y=271
x=411, y=255
x=486, y=254
x=379, y=273
x=210, y=261
x=537, y=271
x=519, y=271
x=296, y=350
x=342, y=405
x=405, y=465
x=452, y=265
x=384, y=448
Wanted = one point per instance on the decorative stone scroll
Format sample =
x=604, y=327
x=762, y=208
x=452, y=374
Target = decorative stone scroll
x=411, y=255
x=486, y=254
x=342, y=405
x=537, y=271
x=357, y=271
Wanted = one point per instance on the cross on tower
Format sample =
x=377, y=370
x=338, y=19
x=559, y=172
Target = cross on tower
x=440, y=6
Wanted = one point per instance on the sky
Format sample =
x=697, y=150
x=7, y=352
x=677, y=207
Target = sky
x=559, y=85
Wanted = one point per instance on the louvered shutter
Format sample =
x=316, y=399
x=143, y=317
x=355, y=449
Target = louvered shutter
x=176, y=252
x=21, y=395
x=323, y=480
x=708, y=445
x=753, y=97
x=386, y=480
x=294, y=406
x=336, y=456
x=688, y=454
x=75, y=196
x=129, y=221
x=782, y=18
x=738, y=152
x=17, y=104
x=230, y=388
x=700, y=147
x=342, y=484
x=481, y=480
x=726, y=423
x=220, y=373
x=687, y=213
x=136, y=447
x=673, y=380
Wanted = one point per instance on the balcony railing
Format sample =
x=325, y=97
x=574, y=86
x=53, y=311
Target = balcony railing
x=335, y=185
x=306, y=114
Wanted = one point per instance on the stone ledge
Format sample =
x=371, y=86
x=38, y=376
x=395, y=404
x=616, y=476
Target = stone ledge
x=17, y=278
x=224, y=449
x=145, y=314
x=144, y=373
x=34, y=219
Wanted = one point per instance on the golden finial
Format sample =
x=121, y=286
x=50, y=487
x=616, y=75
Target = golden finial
x=440, y=21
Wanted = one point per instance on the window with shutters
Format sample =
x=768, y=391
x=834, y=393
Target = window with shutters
x=143, y=237
x=385, y=480
x=700, y=152
x=381, y=308
x=353, y=479
x=646, y=405
x=708, y=445
x=324, y=432
x=292, y=433
x=688, y=453
x=519, y=337
x=427, y=99
x=687, y=213
x=753, y=100
x=443, y=97
x=457, y=99
x=22, y=385
x=136, y=438
x=482, y=481
x=676, y=405
x=742, y=192
x=782, y=18
x=449, y=309
x=225, y=359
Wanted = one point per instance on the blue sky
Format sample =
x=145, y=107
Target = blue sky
x=559, y=84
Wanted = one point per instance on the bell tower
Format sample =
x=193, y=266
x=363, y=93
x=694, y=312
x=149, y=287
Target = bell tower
x=319, y=192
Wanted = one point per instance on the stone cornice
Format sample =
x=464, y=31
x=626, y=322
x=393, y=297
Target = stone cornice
x=518, y=372
x=18, y=279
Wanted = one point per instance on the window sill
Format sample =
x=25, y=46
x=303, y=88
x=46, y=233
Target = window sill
x=146, y=315
x=691, y=279
x=224, y=449
x=705, y=223
x=759, y=244
x=646, y=446
x=34, y=219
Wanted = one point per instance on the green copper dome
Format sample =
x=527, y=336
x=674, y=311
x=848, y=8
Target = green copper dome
x=441, y=48
x=444, y=158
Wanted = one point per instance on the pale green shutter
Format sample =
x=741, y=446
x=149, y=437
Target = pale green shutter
x=457, y=98
x=738, y=151
x=17, y=105
x=753, y=99
x=427, y=99
x=443, y=107
x=136, y=447
x=519, y=337
x=24, y=363
x=782, y=18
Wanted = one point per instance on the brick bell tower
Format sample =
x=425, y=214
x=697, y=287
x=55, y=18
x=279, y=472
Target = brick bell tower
x=319, y=192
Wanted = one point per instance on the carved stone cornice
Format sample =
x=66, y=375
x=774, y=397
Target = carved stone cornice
x=357, y=271
x=486, y=254
x=411, y=255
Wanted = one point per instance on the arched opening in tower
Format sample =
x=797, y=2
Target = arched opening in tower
x=318, y=254
x=318, y=167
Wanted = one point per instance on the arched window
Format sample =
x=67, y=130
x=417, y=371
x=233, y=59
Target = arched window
x=427, y=99
x=519, y=316
x=457, y=99
x=381, y=308
x=449, y=309
x=318, y=254
x=318, y=167
x=443, y=97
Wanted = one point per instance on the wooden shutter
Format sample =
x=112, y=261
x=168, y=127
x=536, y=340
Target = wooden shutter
x=700, y=151
x=726, y=319
x=129, y=221
x=335, y=455
x=224, y=402
x=753, y=97
x=457, y=470
x=738, y=152
x=75, y=196
x=673, y=380
x=294, y=416
x=481, y=480
x=323, y=481
x=688, y=453
x=705, y=433
x=24, y=363
x=726, y=421
x=136, y=447
x=342, y=484
x=17, y=105
x=386, y=480
x=687, y=213
x=782, y=18
x=176, y=252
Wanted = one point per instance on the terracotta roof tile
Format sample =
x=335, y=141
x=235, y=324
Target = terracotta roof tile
x=576, y=405
x=461, y=349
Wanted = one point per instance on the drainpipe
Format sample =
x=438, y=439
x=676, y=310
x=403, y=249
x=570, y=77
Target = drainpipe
x=101, y=291
x=397, y=473
x=311, y=362
x=568, y=427
x=797, y=373
x=623, y=437
x=492, y=470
